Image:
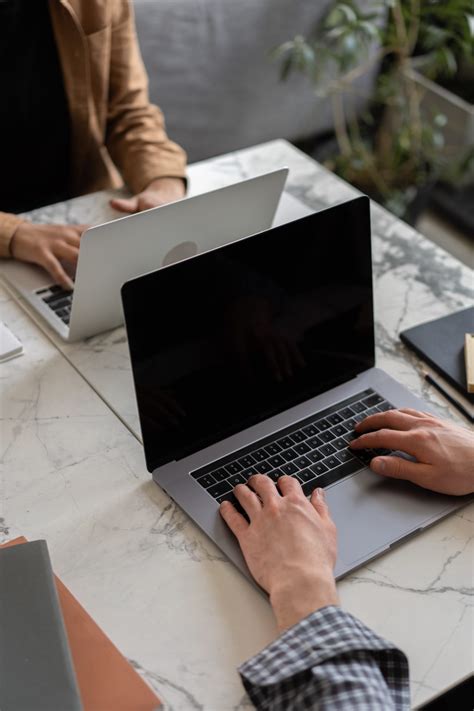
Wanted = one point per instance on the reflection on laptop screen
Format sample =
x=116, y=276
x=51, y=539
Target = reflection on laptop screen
x=231, y=337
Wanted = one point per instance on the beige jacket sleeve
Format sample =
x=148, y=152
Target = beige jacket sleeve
x=136, y=137
x=8, y=225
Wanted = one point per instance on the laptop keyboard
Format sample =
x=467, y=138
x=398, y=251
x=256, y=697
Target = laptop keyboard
x=315, y=451
x=59, y=300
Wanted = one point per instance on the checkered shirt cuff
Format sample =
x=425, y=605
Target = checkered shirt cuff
x=328, y=661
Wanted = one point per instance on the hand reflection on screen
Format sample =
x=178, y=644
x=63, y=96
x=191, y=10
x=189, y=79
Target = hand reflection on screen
x=254, y=331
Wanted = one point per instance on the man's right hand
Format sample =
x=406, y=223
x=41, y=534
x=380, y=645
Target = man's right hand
x=48, y=245
x=444, y=451
x=289, y=545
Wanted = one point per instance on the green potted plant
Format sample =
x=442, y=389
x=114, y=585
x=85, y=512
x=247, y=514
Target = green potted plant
x=397, y=146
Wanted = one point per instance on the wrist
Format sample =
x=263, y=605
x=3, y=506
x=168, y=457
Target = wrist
x=15, y=239
x=299, y=595
x=177, y=185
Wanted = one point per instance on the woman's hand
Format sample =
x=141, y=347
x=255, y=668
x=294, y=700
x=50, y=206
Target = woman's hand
x=160, y=192
x=444, y=451
x=48, y=246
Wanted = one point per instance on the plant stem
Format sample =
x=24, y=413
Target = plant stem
x=340, y=127
x=415, y=26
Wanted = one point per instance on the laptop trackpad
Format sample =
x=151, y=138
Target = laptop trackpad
x=372, y=512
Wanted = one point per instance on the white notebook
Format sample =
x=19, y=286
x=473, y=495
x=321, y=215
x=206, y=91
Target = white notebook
x=10, y=346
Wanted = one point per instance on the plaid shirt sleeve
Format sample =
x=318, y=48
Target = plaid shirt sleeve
x=329, y=661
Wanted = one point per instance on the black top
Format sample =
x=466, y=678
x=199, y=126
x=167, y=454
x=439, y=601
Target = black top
x=34, y=115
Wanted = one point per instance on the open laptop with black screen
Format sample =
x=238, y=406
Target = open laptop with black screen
x=259, y=357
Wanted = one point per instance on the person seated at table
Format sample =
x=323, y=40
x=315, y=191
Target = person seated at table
x=325, y=658
x=74, y=111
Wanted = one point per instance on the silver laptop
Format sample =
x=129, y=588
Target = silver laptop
x=263, y=361
x=124, y=248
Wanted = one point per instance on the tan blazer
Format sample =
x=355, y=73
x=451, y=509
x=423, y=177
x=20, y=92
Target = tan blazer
x=113, y=124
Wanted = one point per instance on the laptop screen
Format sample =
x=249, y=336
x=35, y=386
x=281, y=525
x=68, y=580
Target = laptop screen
x=230, y=337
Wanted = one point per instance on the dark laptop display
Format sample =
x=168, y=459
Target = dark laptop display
x=228, y=338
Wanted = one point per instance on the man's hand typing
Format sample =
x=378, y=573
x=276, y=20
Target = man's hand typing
x=444, y=451
x=289, y=545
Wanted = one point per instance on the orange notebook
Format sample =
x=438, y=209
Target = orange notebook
x=106, y=680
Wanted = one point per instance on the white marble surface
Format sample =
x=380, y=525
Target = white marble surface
x=72, y=473
x=414, y=279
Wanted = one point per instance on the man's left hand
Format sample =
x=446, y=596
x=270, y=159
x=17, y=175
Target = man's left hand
x=159, y=192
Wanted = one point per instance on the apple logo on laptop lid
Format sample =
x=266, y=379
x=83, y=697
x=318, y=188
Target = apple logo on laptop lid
x=181, y=251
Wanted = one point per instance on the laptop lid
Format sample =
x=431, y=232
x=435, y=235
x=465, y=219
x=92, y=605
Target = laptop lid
x=228, y=338
x=122, y=249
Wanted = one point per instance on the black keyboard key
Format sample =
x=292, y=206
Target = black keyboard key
x=344, y=455
x=54, y=298
x=272, y=448
x=302, y=448
x=373, y=400
x=62, y=312
x=289, y=469
x=246, y=461
x=223, y=487
x=339, y=443
x=315, y=442
x=371, y=411
x=285, y=442
x=264, y=467
x=275, y=474
x=298, y=436
x=305, y=475
x=329, y=477
x=66, y=320
x=365, y=455
x=351, y=423
x=276, y=461
x=289, y=454
x=358, y=407
x=302, y=462
x=346, y=412
x=315, y=456
x=259, y=455
x=319, y=468
x=207, y=480
x=58, y=305
x=233, y=468
x=331, y=462
x=310, y=430
x=335, y=418
x=350, y=436
x=327, y=449
x=237, y=479
x=223, y=473
x=326, y=436
x=247, y=473
x=339, y=430
x=233, y=500
x=196, y=474
x=384, y=407
x=323, y=425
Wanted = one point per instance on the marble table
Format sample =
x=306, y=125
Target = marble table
x=73, y=472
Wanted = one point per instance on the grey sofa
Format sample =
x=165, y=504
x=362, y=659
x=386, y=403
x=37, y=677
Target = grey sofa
x=210, y=72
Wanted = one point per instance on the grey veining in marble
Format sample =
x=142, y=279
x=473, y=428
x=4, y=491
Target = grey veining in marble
x=162, y=591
